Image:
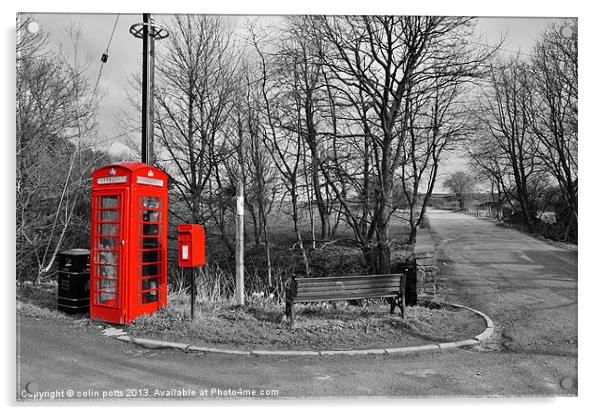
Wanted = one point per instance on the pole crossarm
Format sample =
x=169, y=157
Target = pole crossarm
x=155, y=30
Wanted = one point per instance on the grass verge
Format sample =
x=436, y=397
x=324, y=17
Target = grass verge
x=259, y=324
x=38, y=301
x=318, y=326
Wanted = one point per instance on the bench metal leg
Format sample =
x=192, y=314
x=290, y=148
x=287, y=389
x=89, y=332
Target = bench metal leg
x=287, y=311
x=397, y=303
x=403, y=296
x=290, y=311
x=402, y=306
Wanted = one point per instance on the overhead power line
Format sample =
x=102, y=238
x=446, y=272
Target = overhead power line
x=104, y=58
x=133, y=130
x=500, y=48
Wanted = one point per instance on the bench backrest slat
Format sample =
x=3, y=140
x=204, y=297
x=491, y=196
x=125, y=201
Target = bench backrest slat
x=347, y=296
x=347, y=278
x=348, y=286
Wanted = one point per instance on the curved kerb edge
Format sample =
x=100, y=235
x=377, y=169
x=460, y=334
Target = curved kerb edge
x=481, y=337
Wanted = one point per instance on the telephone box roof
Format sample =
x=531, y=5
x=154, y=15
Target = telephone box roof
x=130, y=166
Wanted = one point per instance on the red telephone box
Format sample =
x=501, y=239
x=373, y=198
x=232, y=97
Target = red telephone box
x=128, y=250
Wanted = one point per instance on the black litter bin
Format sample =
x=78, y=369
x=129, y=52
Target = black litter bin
x=74, y=281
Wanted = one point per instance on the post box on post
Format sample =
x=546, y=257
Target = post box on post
x=191, y=245
x=191, y=253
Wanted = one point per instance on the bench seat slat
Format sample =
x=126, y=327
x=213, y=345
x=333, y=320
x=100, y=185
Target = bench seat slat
x=348, y=293
x=347, y=278
x=343, y=298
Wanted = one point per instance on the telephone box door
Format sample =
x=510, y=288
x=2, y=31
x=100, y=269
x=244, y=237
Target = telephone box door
x=108, y=236
x=149, y=270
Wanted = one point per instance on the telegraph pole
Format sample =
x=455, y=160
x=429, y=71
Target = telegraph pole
x=148, y=31
x=147, y=91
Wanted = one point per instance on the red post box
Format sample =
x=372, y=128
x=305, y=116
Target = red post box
x=128, y=250
x=191, y=245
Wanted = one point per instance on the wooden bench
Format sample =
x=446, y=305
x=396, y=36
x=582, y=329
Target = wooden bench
x=309, y=290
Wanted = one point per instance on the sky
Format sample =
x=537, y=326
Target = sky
x=125, y=50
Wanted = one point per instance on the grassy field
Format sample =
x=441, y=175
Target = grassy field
x=336, y=257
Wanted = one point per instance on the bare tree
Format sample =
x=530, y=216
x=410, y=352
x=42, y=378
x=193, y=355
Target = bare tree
x=504, y=113
x=384, y=66
x=55, y=118
x=485, y=166
x=461, y=184
x=195, y=88
x=553, y=110
x=284, y=145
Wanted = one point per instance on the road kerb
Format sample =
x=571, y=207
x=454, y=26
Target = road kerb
x=218, y=350
x=411, y=349
x=463, y=343
x=154, y=344
x=483, y=315
x=484, y=335
x=285, y=353
x=358, y=352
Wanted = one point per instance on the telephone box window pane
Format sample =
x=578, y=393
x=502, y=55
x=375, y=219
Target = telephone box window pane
x=108, y=201
x=107, y=243
x=150, y=256
x=108, y=229
x=150, y=270
x=150, y=297
x=107, y=285
x=150, y=243
x=150, y=229
x=106, y=297
x=108, y=215
x=107, y=271
x=150, y=216
x=150, y=284
x=150, y=202
x=107, y=257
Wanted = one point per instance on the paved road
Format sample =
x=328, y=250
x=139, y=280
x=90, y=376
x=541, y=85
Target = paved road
x=527, y=286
